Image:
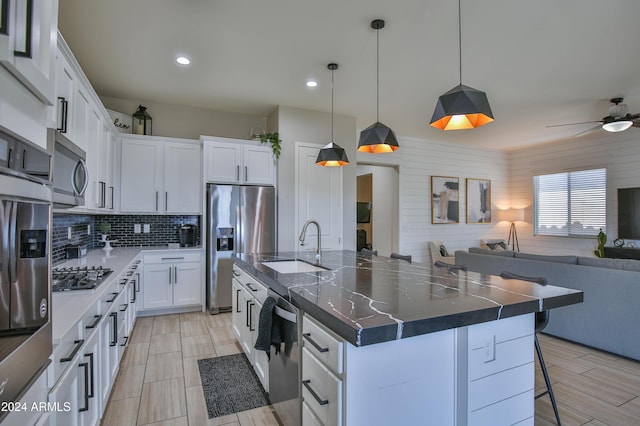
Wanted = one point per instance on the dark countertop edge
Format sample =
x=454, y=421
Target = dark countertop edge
x=389, y=332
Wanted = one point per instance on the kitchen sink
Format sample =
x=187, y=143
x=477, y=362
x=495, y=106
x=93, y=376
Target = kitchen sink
x=293, y=266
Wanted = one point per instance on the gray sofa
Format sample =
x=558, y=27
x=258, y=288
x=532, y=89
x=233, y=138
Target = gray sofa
x=609, y=317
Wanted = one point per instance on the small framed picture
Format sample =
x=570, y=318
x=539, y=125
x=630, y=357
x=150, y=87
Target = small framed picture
x=445, y=205
x=478, y=200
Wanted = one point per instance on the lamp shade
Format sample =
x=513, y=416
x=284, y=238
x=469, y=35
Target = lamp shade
x=617, y=126
x=377, y=139
x=511, y=215
x=332, y=155
x=462, y=108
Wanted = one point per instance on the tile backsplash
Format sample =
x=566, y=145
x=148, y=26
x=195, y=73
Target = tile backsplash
x=162, y=231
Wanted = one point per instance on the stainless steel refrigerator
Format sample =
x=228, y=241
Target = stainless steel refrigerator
x=240, y=219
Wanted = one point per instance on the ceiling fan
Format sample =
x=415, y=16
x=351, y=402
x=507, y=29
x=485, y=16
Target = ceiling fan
x=618, y=119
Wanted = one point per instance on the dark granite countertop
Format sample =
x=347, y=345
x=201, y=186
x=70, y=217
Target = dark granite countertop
x=371, y=299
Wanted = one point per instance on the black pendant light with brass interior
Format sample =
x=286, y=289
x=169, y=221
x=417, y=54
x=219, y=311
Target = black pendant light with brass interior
x=461, y=107
x=332, y=154
x=377, y=138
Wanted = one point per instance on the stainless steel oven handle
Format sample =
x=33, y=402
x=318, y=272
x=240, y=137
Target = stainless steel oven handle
x=81, y=165
x=13, y=241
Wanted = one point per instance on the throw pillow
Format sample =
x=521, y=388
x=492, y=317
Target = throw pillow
x=443, y=251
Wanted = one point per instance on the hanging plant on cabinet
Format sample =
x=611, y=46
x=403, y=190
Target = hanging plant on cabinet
x=274, y=140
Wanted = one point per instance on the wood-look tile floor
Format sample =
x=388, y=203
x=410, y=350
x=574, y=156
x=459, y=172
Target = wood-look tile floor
x=591, y=387
x=159, y=382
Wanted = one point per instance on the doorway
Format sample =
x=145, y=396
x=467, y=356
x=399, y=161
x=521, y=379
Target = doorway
x=377, y=191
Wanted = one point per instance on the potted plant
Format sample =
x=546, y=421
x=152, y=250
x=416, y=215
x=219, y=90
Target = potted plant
x=274, y=140
x=104, y=228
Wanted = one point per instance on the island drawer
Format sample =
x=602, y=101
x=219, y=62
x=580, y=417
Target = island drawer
x=321, y=390
x=323, y=344
x=253, y=286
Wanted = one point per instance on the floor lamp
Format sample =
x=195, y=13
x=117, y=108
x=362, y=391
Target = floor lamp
x=513, y=215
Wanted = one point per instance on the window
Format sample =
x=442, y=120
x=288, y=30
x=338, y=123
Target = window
x=570, y=204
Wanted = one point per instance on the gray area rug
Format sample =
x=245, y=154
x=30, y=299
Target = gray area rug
x=230, y=385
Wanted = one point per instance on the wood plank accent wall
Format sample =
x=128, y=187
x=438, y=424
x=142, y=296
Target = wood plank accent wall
x=619, y=153
x=417, y=161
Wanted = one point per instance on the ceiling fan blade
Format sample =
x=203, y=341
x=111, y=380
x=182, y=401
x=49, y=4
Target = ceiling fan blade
x=586, y=132
x=573, y=124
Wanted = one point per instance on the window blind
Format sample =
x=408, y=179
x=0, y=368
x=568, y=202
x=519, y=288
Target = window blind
x=570, y=204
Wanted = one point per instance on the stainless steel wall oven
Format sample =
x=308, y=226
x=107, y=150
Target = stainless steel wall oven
x=25, y=223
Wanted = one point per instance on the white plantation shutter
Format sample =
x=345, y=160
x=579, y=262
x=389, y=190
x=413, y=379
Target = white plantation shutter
x=570, y=204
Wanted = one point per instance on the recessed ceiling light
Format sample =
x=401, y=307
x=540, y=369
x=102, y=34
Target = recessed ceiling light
x=183, y=60
x=312, y=83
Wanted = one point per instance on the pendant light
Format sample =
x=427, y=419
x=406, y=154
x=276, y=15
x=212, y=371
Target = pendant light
x=377, y=138
x=332, y=154
x=461, y=107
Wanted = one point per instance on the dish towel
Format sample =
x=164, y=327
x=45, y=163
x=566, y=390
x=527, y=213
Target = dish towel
x=268, y=330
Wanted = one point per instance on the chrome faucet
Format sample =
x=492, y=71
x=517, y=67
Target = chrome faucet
x=303, y=235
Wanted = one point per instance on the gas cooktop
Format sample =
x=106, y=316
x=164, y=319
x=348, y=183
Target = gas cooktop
x=78, y=278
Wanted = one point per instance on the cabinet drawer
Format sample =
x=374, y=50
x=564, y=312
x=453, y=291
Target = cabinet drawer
x=322, y=343
x=255, y=288
x=309, y=418
x=321, y=390
x=501, y=386
x=69, y=345
x=172, y=257
x=506, y=355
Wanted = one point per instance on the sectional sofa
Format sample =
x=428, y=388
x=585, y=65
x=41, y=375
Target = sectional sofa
x=609, y=317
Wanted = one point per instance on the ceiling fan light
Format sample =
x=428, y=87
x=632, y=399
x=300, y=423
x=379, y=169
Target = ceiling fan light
x=332, y=155
x=617, y=126
x=460, y=108
x=377, y=139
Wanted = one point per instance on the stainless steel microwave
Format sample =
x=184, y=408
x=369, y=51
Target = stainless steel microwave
x=70, y=176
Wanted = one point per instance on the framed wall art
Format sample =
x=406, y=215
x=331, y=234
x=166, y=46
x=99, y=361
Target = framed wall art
x=445, y=205
x=478, y=200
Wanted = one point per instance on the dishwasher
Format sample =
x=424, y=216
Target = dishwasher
x=284, y=365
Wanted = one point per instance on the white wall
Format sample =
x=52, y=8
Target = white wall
x=385, y=185
x=180, y=121
x=619, y=153
x=417, y=160
x=299, y=125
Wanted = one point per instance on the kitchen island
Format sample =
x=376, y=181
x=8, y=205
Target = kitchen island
x=420, y=344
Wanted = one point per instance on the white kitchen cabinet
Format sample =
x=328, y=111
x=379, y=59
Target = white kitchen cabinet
x=237, y=312
x=28, y=37
x=66, y=81
x=160, y=175
x=89, y=387
x=65, y=396
x=172, y=279
x=248, y=298
x=238, y=161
